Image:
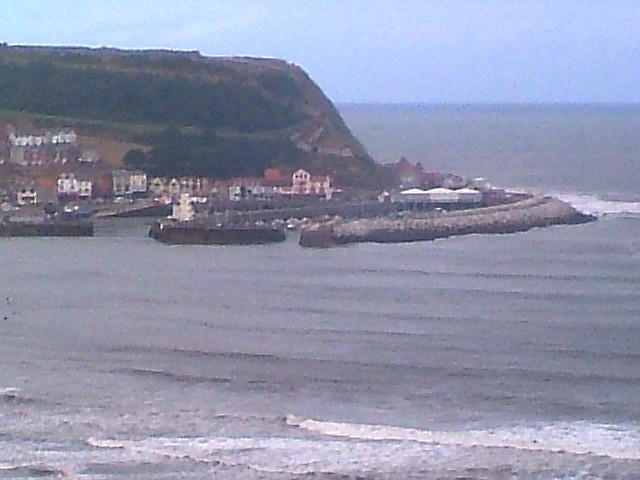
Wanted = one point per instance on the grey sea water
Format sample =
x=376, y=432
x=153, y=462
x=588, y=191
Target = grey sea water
x=477, y=357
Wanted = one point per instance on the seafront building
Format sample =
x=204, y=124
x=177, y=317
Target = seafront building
x=273, y=184
x=417, y=198
x=129, y=183
x=74, y=187
x=300, y=184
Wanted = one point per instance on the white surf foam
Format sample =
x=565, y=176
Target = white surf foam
x=295, y=456
x=598, y=205
x=576, y=438
x=9, y=391
x=107, y=443
x=594, y=205
x=37, y=469
x=349, y=448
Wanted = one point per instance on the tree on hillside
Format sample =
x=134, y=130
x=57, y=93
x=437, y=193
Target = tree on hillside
x=136, y=158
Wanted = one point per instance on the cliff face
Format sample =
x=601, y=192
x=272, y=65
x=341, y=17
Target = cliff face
x=267, y=111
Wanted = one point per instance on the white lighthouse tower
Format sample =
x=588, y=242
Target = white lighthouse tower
x=183, y=211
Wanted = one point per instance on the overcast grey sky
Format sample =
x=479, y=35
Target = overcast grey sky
x=460, y=51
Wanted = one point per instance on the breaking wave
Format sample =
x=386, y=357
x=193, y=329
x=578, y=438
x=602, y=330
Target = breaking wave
x=332, y=448
x=14, y=396
x=173, y=376
x=593, y=205
x=34, y=470
x=599, y=205
x=574, y=438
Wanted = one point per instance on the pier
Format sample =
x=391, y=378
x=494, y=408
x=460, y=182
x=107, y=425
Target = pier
x=410, y=227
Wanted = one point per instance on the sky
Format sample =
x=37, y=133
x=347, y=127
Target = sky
x=377, y=51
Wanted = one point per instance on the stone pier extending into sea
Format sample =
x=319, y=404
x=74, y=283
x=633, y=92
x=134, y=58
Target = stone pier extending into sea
x=519, y=216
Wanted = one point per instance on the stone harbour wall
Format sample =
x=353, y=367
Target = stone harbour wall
x=509, y=218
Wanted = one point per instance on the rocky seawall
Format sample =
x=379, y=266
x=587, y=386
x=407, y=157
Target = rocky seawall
x=510, y=218
x=46, y=229
x=176, y=233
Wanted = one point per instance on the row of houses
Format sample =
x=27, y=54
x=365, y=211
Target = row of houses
x=41, y=138
x=73, y=186
x=273, y=183
x=415, y=176
x=31, y=147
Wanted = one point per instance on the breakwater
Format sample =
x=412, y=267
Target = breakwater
x=319, y=210
x=508, y=218
x=194, y=233
x=143, y=208
x=46, y=229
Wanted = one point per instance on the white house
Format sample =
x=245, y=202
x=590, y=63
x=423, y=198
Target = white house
x=243, y=188
x=303, y=183
x=67, y=185
x=64, y=136
x=70, y=187
x=129, y=182
x=137, y=181
x=198, y=186
x=27, y=196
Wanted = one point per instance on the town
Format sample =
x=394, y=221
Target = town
x=53, y=182
x=39, y=166
x=51, y=167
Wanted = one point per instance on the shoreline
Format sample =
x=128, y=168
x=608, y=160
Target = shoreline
x=520, y=216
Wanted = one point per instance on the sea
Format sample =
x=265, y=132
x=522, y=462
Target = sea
x=476, y=357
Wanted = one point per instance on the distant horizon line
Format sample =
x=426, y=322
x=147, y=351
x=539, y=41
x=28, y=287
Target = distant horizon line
x=487, y=104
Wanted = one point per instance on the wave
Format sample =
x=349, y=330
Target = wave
x=9, y=392
x=574, y=438
x=106, y=443
x=349, y=449
x=193, y=353
x=37, y=470
x=279, y=455
x=14, y=396
x=594, y=205
x=173, y=376
x=597, y=204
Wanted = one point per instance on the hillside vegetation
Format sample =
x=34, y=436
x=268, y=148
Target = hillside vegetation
x=185, y=113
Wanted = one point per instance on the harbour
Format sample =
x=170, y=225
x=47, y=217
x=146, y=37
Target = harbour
x=478, y=356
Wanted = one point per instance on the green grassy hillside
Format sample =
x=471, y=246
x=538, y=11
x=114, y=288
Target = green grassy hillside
x=194, y=115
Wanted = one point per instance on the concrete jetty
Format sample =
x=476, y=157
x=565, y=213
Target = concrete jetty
x=46, y=228
x=519, y=216
x=141, y=208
